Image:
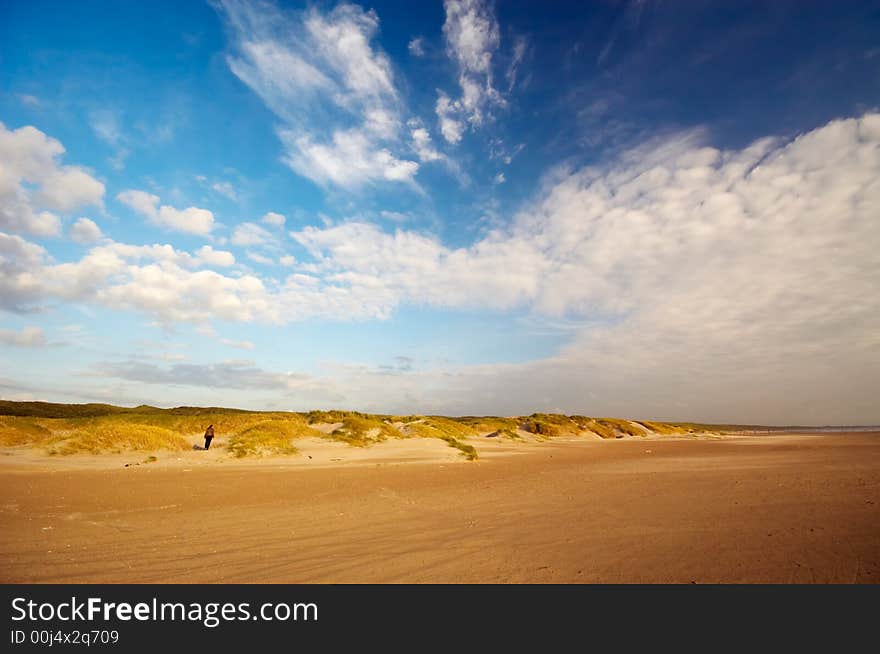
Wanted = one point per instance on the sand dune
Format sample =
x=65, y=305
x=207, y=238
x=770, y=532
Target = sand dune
x=794, y=508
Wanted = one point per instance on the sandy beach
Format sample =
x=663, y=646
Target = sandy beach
x=780, y=508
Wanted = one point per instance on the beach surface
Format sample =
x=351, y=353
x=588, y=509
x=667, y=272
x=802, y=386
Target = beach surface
x=781, y=508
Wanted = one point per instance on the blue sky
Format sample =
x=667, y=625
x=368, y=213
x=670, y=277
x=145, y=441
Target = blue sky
x=632, y=208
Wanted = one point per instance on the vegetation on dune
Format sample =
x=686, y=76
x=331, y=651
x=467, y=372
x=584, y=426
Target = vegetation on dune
x=22, y=431
x=488, y=424
x=71, y=428
x=269, y=437
x=550, y=425
x=361, y=430
x=446, y=429
x=540, y=428
x=328, y=417
x=662, y=428
x=601, y=429
x=622, y=426
x=450, y=427
x=469, y=451
x=111, y=434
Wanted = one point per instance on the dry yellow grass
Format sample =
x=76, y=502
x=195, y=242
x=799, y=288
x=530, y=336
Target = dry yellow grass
x=663, y=428
x=447, y=430
x=96, y=435
x=16, y=431
x=66, y=429
x=362, y=430
x=487, y=424
x=269, y=437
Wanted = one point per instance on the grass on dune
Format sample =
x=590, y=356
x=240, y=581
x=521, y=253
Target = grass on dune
x=361, y=430
x=269, y=437
x=22, y=431
x=446, y=430
x=87, y=435
x=506, y=427
x=97, y=435
x=662, y=428
x=71, y=428
x=622, y=426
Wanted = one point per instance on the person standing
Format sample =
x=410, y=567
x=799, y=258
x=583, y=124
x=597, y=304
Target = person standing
x=209, y=435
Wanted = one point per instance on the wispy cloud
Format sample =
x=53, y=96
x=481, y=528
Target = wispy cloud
x=416, y=46
x=472, y=37
x=230, y=374
x=246, y=234
x=29, y=100
x=27, y=337
x=273, y=219
x=106, y=126
x=331, y=87
x=225, y=189
x=241, y=345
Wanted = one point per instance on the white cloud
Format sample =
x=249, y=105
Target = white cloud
x=20, y=265
x=228, y=374
x=333, y=90
x=105, y=124
x=256, y=257
x=472, y=37
x=191, y=220
x=416, y=46
x=27, y=337
x=519, y=51
x=706, y=280
x=29, y=100
x=67, y=188
x=273, y=219
x=84, y=231
x=287, y=260
x=500, y=179
x=423, y=146
x=209, y=256
x=146, y=204
x=349, y=161
x=715, y=274
x=241, y=345
x=247, y=234
x=225, y=189
x=166, y=286
x=395, y=216
x=451, y=128
x=33, y=185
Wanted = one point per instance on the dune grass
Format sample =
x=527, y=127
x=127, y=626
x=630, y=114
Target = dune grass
x=361, y=430
x=506, y=427
x=663, y=428
x=96, y=428
x=447, y=430
x=269, y=437
x=15, y=431
x=112, y=434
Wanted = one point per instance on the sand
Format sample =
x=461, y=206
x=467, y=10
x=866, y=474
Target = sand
x=781, y=508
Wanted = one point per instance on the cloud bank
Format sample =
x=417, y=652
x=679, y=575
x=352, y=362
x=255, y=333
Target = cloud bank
x=702, y=277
